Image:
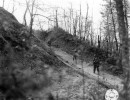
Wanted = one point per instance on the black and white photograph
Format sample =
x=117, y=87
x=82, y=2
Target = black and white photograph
x=64, y=50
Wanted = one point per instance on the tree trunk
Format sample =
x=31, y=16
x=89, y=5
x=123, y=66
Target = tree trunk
x=24, y=17
x=86, y=20
x=56, y=20
x=114, y=26
x=107, y=47
x=98, y=41
x=123, y=33
x=75, y=21
x=31, y=24
x=65, y=21
x=80, y=23
x=3, y=5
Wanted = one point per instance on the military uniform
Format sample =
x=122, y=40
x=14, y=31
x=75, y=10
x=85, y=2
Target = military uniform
x=96, y=64
x=75, y=55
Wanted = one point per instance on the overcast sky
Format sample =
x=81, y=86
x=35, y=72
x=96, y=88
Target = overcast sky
x=94, y=7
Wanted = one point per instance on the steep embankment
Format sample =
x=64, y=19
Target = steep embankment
x=25, y=62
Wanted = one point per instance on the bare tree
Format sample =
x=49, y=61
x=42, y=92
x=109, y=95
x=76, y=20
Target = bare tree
x=13, y=9
x=86, y=21
x=24, y=16
x=75, y=22
x=32, y=14
x=80, y=22
x=65, y=20
x=56, y=18
x=91, y=35
x=71, y=12
x=114, y=25
x=99, y=42
x=3, y=5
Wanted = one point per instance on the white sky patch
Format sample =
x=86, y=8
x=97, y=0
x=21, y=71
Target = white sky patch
x=94, y=6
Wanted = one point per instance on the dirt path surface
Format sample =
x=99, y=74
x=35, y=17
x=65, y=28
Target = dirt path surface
x=69, y=83
x=111, y=80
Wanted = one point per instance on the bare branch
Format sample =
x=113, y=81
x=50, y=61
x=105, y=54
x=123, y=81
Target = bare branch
x=24, y=17
x=44, y=17
x=13, y=10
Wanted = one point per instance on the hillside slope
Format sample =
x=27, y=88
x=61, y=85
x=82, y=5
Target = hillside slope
x=70, y=43
x=63, y=40
x=24, y=67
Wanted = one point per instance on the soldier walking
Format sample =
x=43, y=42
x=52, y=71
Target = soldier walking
x=75, y=56
x=96, y=64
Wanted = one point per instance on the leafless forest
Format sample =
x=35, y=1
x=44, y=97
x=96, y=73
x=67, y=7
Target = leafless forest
x=51, y=56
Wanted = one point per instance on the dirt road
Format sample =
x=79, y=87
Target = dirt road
x=106, y=78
